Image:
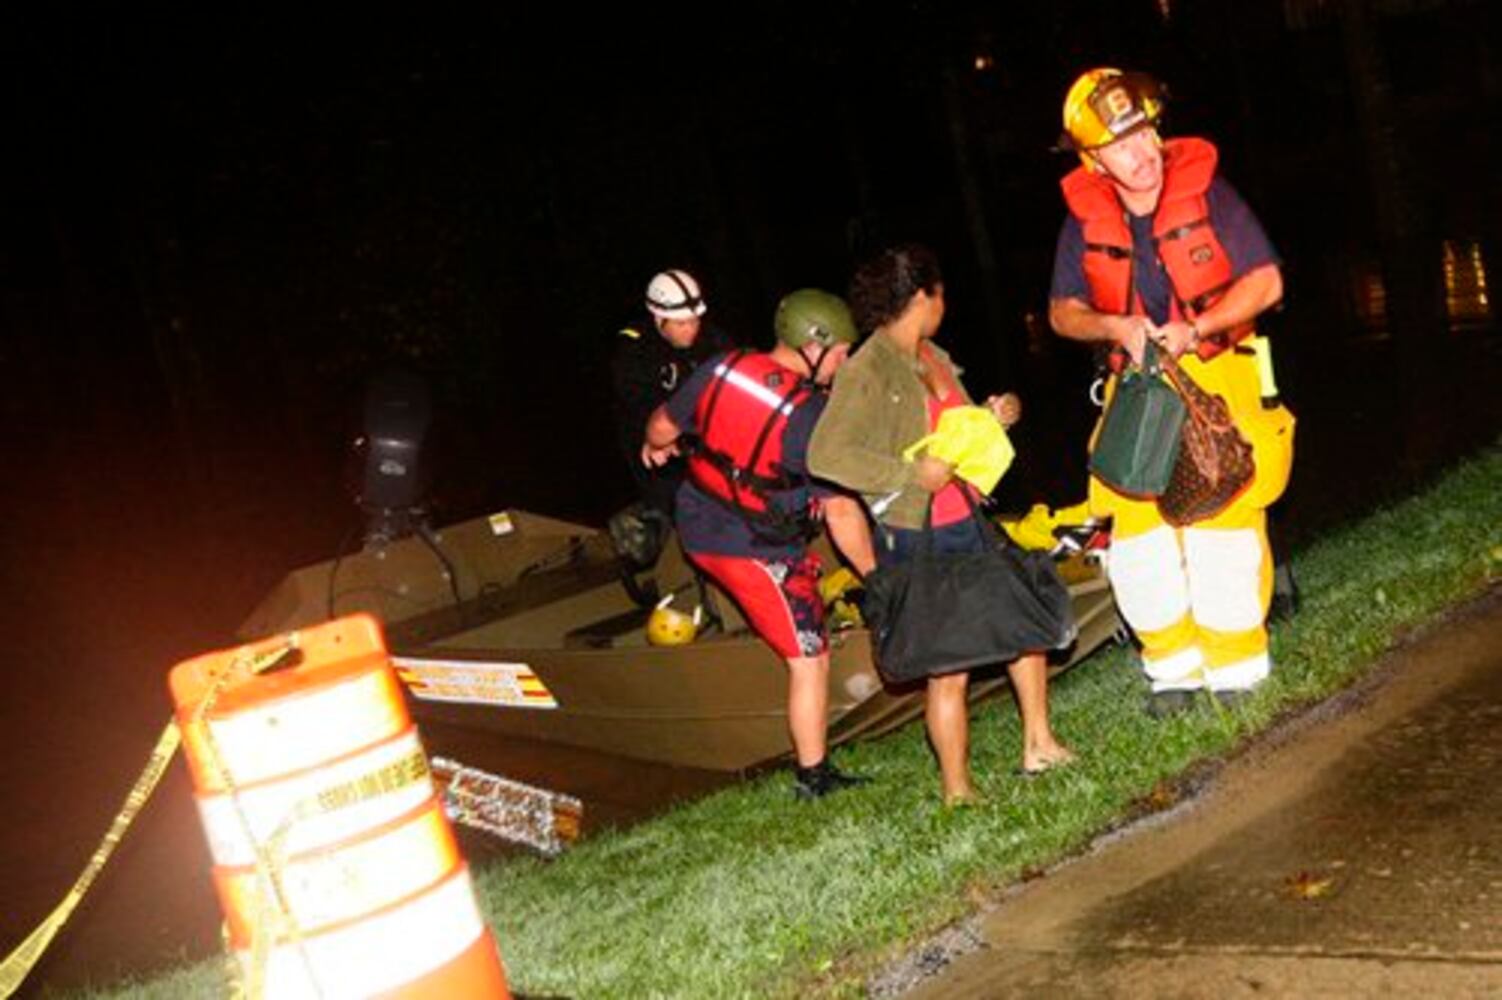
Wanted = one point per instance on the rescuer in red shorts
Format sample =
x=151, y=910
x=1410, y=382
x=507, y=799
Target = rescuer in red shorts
x=748, y=508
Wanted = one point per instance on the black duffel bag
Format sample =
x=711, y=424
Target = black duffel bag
x=939, y=612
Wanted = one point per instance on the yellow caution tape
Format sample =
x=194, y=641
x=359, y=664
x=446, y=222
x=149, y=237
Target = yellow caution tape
x=273, y=803
x=271, y=915
x=19, y=963
x=273, y=918
x=382, y=781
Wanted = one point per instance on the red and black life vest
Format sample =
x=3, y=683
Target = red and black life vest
x=741, y=416
x=1199, y=270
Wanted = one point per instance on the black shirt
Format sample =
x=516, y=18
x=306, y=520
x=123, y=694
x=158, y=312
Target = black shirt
x=644, y=372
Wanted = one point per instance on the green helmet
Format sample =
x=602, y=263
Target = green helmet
x=810, y=315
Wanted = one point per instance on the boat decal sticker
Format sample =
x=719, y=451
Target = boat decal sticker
x=474, y=682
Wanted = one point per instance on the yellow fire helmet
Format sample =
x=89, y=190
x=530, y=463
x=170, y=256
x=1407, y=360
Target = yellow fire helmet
x=1106, y=104
x=667, y=626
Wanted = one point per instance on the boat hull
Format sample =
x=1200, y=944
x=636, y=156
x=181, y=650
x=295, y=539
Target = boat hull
x=540, y=640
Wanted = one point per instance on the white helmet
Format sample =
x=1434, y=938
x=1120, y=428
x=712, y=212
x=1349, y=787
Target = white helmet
x=675, y=295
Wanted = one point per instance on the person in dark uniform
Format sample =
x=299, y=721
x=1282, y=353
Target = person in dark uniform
x=653, y=357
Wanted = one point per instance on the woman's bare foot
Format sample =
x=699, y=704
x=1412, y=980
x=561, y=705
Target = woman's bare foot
x=962, y=800
x=1045, y=756
x=957, y=787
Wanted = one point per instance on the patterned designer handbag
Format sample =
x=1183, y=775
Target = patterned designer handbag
x=1215, y=459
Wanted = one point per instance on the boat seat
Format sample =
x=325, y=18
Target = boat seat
x=604, y=633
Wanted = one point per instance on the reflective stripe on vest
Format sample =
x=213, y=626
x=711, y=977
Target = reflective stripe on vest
x=741, y=419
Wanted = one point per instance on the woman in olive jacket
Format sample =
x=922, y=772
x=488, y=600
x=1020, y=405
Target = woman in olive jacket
x=887, y=396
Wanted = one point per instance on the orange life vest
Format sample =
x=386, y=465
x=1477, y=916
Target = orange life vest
x=1199, y=270
x=741, y=416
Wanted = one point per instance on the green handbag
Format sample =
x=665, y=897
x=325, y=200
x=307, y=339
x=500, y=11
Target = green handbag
x=1139, y=437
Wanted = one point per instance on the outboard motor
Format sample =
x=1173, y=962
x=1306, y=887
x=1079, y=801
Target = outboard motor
x=391, y=479
x=387, y=475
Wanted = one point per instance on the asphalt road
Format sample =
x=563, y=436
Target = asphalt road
x=1353, y=852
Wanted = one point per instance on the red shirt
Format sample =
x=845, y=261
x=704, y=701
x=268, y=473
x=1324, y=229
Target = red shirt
x=950, y=505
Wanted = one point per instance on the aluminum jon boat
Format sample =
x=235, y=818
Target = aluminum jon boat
x=527, y=626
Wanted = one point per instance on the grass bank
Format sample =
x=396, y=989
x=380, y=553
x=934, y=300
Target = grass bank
x=749, y=893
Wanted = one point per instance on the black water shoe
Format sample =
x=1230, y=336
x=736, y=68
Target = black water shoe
x=1234, y=698
x=821, y=779
x=1167, y=704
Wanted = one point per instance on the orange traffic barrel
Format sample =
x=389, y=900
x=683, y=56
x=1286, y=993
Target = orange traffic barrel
x=336, y=869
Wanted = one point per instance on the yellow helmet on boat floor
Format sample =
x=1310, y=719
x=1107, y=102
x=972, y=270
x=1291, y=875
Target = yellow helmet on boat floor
x=667, y=626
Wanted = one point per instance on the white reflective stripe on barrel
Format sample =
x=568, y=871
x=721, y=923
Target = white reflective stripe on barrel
x=349, y=881
x=307, y=728
x=380, y=953
x=337, y=801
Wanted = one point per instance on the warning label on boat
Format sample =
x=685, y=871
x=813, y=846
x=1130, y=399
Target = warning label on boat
x=475, y=682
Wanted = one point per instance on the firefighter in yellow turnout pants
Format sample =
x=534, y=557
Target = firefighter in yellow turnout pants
x=1157, y=245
